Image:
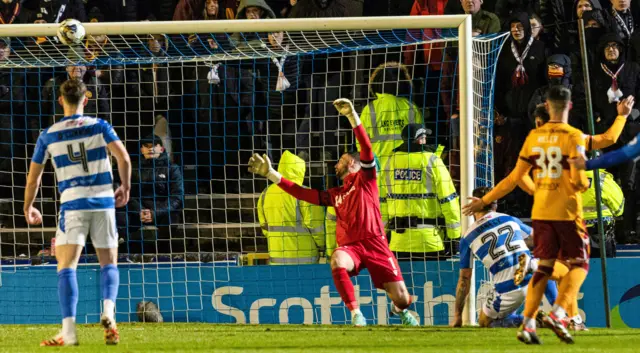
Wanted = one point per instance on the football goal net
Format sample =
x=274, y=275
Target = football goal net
x=192, y=101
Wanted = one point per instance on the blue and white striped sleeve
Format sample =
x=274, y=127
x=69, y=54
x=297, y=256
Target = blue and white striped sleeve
x=40, y=154
x=108, y=132
x=465, y=254
x=525, y=228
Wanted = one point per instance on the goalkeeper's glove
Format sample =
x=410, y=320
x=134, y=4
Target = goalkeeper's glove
x=345, y=107
x=262, y=166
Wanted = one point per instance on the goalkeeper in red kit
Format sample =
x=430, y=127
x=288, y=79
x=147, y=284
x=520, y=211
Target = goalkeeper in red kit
x=359, y=229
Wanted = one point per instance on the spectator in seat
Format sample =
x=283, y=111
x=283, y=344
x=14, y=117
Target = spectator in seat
x=294, y=229
x=521, y=70
x=188, y=10
x=115, y=10
x=12, y=12
x=56, y=11
x=97, y=93
x=13, y=136
x=595, y=26
x=157, y=194
x=622, y=20
x=559, y=73
x=614, y=78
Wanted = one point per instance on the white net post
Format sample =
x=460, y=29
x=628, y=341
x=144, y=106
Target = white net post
x=467, y=146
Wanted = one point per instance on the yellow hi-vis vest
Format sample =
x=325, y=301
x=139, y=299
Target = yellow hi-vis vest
x=294, y=229
x=420, y=193
x=384, y=119
x=612, y=199
x=330, y=228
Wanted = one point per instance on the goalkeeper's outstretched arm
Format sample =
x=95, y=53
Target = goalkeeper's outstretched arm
x=345, y=107
x=261, y=165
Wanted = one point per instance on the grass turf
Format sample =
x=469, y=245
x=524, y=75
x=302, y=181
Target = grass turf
x=296, y=338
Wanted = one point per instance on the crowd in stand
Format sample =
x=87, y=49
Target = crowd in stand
x=542, y=50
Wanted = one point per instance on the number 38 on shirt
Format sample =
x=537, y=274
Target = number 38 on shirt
x=549, y=162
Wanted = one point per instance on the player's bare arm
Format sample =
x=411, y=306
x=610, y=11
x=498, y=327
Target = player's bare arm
x=502, y=189
x=32, y=214
x=117, y=149
x=462, y=291
x=610, y=137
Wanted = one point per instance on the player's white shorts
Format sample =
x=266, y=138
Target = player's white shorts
x=499, y=306
x=75, y=226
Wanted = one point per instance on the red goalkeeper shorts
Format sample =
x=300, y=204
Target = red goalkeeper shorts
x=374, y=255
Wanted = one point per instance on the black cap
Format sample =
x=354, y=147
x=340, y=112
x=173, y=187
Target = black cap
x=152, y=139
x=413, y=131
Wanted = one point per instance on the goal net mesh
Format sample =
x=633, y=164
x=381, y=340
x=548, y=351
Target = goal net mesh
x=210, y=100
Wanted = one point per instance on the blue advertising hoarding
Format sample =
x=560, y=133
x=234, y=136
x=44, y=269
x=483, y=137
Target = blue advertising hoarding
x=197, y=292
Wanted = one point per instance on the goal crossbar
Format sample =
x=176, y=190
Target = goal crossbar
x=235, y=26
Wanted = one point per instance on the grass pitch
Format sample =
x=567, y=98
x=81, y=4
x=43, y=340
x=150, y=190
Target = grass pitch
x=297, y=338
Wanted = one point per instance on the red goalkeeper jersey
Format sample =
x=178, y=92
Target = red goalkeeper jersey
x=356, y=202
x=357, y=206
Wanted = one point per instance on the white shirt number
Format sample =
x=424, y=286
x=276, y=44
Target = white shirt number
x=549, y=162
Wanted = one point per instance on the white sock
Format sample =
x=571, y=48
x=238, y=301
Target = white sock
x=577, y=319
x=558, y=312
x=354, y=312
x=109, y=308
x=533, y=265
x=529, y=323
x=69, y=327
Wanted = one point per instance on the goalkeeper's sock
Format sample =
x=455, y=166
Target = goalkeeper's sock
x=345, y=288
x=109, y=281
x=551, y=292
x=68, y=298
x=536, y=289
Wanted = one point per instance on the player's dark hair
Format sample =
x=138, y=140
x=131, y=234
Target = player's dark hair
x=73, y=91
x=355, y=155
x=480, y=192
x=558, y=97
x=541, y=113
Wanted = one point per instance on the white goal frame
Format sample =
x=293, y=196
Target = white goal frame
x=461, y=22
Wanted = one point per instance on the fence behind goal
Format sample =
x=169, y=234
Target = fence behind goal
x=212, y=99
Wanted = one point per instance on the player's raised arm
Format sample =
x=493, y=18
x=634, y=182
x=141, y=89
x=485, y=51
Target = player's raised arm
x=262, y=166
x=345, y=107
x=626, y=153
x=501, y=190
x=612, y=134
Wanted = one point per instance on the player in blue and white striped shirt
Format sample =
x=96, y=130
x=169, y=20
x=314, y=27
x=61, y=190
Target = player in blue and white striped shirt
x=78, y=146
x=498, y=240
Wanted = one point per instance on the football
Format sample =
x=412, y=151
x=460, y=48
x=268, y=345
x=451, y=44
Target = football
x=71, y=32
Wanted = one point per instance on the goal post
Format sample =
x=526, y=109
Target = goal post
x=124, y=46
